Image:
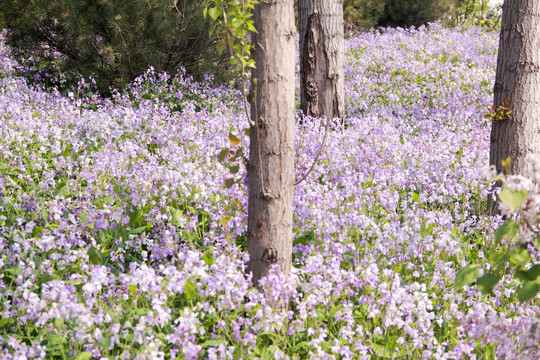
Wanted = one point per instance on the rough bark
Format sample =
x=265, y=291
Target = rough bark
x=271, y=156
x=321, y=57
x=518, y=81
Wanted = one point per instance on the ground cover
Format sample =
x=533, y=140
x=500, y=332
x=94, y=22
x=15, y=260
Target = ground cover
x=120, y=240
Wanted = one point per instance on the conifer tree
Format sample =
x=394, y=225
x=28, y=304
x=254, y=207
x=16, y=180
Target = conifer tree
x=113, y=40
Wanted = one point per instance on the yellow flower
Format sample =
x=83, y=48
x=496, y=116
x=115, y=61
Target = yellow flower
x=450, y=42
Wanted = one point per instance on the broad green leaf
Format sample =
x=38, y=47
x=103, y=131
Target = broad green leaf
x=223, y=154
x=528, y=291
x=489, y=354
x=507, y=230
x=60, y=187
x=74, y=282
x=487, y=282
x=533, y=273
x=208, y=257
x=138, y=230
x=305, y=239
x=96, y=257
x=233, y=139
x=85, y=355
x=229, y=183
x=234, y=169
x=214, y=13
x=383, y=349
x=14, y=271
x=141, y=311
x=212, y=343
x=191, y=290
x=536, y=242
x=498, y=258
x=519, y=256
x=236, y=23
x=467, y=276
x=513, y=198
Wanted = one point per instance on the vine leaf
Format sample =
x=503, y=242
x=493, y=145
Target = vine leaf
x=513, y=198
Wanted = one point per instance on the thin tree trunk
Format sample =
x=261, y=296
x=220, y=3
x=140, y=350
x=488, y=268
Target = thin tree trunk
x=518, y=81
x=321, y=57
x=271, y=159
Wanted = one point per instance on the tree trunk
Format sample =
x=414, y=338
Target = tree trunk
x=271, y=157
x=321, y=57
x=518, y=81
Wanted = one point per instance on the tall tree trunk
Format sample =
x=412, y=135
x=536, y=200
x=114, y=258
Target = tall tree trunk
x=271, y=157
x=518, y=81
x=321, y=57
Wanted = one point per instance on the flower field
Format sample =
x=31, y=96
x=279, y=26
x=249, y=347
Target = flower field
x=120, y=240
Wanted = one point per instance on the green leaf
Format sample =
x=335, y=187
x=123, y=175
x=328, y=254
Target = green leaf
x=519, y=256
x=487, y=282
x=208, y=258
x=513, y=198
x=251, y=27
x=528, y=291
x=214, y=13
x=533, y=273
x=59, y=190
x=507, y=230
x=14, y=271
x=498, y=258
x=212, y=343
x=141, y=311
x=229, y=183
x=467, y=276
x=191, y=290
x=305, y=239
x=236, y=23
x=74, y=282
x=138, y=230
x=85, y=355
x=223, y=154
x=234, y=169
x=96, y=257
x=383, y=349
x=536, y=242
x=233, y=139
x=489, y=353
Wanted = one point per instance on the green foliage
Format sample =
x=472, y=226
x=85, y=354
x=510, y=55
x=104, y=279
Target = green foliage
x=518, y=258
x=407, y=13
x=113, y=41
x=479, y=13
x=371, y=13
x=466, y=276
x=363, y=13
